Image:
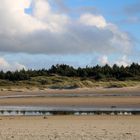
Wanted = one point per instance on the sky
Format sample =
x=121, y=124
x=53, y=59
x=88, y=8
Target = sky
x=36, y=34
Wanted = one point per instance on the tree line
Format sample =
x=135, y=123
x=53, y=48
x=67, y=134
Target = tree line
x=97, y=72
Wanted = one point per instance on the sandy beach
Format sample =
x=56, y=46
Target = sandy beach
x=70, y=128
x=11, y=91
x=78, y=101
x=87, y=97
x=100, y=127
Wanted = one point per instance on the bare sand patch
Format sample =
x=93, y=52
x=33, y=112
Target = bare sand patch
x=21, y=91
x=70, y=128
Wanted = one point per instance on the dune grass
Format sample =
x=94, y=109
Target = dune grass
x=62, y=82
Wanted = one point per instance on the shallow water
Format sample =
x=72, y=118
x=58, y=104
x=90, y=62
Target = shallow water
x=52, y=110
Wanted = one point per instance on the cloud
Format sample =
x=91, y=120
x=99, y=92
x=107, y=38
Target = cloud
x=87, y=9
x=61, y=6
x=6, y=66
x=103, y=60
x=93, y=20
x=47, y=32
x=132, y=13
x=123, y=61
x=131, y=20
x=132, y=9
x=14, y=21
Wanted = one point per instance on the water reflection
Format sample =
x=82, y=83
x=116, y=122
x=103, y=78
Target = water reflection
x=59, y=110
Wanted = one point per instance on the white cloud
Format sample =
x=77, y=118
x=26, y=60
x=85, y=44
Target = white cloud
x=48, y=32
x=123, y=61
x=43, y=12
x=41, y=9
x=120, y=39
x=93, y=20
x=3, y=62
x=103, y=60
x=13, y=19
x=5, y=65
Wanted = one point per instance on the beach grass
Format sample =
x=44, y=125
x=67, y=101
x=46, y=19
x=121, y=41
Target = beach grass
x=62, y=82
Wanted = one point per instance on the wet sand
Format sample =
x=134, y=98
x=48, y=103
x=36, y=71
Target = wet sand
x=129, y=97
x=77, y=101
x=70, y=128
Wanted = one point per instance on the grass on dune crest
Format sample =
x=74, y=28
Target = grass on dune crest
x=62, y=82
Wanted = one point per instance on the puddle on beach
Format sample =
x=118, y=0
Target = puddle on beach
x=59, y=110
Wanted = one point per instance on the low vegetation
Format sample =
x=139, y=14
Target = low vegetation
x=64, y=76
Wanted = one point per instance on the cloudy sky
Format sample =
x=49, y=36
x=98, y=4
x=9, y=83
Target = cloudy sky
x=35, y=34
